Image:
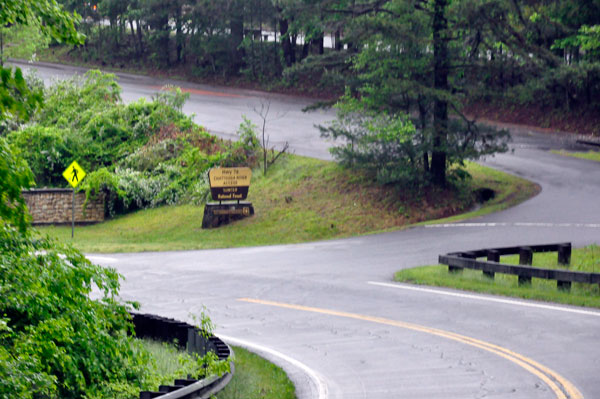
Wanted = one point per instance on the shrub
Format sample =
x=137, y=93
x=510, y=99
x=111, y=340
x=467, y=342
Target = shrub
x=144, y=154
x=47, y=152
x=63, y=332
x=55, y=340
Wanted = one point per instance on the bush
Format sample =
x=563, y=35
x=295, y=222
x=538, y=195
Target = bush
x=382, y=144
x=63, y=332
x=55, y=341
x=47, y=152
x=389, y=147
x=144, y=154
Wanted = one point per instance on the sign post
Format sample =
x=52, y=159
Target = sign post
x=74, y=174
x=227, y=184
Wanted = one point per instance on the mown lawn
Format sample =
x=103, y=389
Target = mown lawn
x=301, y=199
x=583, y=259
x=256, y=378
x=589, y=155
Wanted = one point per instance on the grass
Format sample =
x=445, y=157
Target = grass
x=256, y=378
x=301, y=199
x=589, y=155
x=509, y=191
x=583, y=259
x=171, y=362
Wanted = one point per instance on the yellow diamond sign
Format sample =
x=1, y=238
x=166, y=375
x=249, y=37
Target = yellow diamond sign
x=74, y=174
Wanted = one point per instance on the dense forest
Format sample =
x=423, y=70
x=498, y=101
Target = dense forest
x=424, y=58
x=413, y=65
x=533, y=50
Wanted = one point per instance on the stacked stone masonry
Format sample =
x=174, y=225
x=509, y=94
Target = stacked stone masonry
x=53, y=206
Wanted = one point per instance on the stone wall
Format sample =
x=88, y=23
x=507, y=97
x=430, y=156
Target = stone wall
x=53, y=206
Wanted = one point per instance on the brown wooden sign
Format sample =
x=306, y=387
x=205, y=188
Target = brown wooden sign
x=229, y=184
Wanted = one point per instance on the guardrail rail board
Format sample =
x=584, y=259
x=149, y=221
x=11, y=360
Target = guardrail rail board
x=457, y=261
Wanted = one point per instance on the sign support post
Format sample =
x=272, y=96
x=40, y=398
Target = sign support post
x=73, y=215
x=74, y=174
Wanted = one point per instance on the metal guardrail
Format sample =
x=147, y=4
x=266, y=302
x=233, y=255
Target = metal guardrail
x=457, y=261
x=193, y=340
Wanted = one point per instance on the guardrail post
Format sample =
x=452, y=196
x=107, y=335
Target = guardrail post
x=525, y=258
x=191, y=346
x=563, y=285
x=564, y=254
x=492, y=256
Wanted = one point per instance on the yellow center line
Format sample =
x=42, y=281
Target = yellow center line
x=562, y=388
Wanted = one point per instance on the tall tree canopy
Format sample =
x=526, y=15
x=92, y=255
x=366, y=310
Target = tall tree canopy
x=423, y=57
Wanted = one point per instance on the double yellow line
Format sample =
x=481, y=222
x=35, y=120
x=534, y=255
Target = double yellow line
x=562, y=388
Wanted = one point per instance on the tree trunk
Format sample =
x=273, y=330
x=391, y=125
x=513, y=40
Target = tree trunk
x=321, y=44
x=293, y=43
x=440, y=83
x=236, y=25
x=178, y=32
x=140, y=36
x=306, y=49
x=133, y=36
x=423, y=122
x=286, y=45
x=338, y=40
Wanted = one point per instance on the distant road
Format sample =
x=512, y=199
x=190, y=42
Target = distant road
x=220, y=109
x=328, y=312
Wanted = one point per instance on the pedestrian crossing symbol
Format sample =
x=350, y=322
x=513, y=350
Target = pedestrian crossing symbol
x=74, y=174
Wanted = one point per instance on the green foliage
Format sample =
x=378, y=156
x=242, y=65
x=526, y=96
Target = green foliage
x=17, y=99
x=567, y=87
x=248, y=141
x=144, y=154
x=62, y=342
x=23, y=42
x=389, y=147
x=47, y=15
x=72, y=103
x=63, y=331
x=262, y=60
x=380, y=143
x=257, y=378
x=15, y=175
x=46, y=151
x=172, y=97
x=587, y=39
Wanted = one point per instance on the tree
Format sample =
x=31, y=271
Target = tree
x=411, y=59
x=16, y=99
x=15, y=175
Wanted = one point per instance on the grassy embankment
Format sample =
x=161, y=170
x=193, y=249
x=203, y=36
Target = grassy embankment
x=300, y=200
x=589, y=155
x=583, y=259
x=254, y=377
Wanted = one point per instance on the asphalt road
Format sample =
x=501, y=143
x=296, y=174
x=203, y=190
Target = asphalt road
x=328, y=312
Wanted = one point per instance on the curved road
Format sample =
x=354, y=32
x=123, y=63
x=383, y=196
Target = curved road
x=328, y=312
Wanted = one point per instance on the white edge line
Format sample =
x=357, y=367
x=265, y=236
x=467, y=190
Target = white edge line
x=485, y=298
x=316, y=378
x=95, y=258
x=516, y=224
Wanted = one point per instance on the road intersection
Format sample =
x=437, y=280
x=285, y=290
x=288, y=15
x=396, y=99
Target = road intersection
x=328, y=311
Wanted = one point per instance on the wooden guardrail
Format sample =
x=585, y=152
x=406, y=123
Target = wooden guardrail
x=457, y=261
